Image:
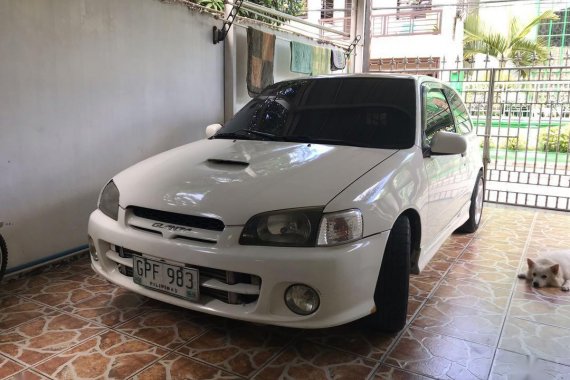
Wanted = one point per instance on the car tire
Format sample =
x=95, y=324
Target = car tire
x=476, y=208
x=3, y=257
x=392, y=286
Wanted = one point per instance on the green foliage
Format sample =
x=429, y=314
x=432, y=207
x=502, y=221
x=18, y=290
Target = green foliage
x=514, y=47
x=217, y=5
x=291, y=7
x=555, y=139
x=515, y=143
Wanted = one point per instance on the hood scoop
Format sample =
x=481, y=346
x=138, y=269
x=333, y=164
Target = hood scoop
x=213, y=162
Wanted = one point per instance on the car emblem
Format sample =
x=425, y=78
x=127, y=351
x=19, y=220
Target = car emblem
x=171, y=227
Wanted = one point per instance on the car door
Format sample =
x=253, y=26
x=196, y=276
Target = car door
x=444, y=172
x=472, y=159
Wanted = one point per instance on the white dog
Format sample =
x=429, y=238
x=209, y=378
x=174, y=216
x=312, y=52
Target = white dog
x=550, y=269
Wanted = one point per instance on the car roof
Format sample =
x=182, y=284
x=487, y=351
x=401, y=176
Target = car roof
x=417, y=78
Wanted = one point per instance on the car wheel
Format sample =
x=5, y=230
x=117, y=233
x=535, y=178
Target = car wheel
x=3, y=257
x=392, y=286
x=476, y=208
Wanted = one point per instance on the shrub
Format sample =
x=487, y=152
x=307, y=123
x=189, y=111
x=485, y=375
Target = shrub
x=514, y=143
x=555, y=139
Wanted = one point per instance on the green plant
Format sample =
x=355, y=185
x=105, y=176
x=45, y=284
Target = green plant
x=217, y=5
x=514, y=47
x=555, y=139
x=291, y=7
x=513, y=143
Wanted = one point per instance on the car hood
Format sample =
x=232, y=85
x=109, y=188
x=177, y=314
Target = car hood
x=234, y=180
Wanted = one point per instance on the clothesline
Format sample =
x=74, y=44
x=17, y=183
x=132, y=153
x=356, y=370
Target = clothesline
x=345, y=48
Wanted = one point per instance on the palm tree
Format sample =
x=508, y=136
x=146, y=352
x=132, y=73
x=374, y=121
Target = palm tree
x=514, y=47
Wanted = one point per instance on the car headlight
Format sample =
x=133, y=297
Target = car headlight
x=303, y=228
x=109, y=201
x=286, y=228
x=340, y=227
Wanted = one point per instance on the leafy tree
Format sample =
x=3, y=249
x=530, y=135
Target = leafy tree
x=515, y=47
x=291, y=7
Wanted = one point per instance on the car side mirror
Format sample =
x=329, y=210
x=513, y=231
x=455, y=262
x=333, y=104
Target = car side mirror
x=212, y=129
x=448, y=143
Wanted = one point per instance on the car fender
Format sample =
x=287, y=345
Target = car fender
x=386, y=191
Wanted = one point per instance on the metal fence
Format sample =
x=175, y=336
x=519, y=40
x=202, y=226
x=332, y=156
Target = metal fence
x=407, y=23
x=522, y=115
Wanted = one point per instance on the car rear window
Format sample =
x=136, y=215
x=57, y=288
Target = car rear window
x=365, y=112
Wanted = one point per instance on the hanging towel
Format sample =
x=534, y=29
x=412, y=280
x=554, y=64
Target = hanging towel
x=321, y=60
x=338, y=60
x=260, y=55
x=301, y=58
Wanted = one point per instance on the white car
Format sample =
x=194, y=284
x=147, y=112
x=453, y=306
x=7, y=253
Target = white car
x=309, y=209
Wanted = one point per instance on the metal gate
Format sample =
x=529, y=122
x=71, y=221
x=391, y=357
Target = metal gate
x=523, y=117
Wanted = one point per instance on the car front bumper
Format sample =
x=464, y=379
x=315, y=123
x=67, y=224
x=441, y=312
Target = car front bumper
x=344, y=276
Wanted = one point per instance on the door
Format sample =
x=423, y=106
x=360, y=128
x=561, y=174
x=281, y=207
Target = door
x=445, y=173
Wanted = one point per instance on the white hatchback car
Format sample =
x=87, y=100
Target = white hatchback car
x=308, y=209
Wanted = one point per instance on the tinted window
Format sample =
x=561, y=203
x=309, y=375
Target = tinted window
x=437, y=114
x=462, y=120
x=366, y=112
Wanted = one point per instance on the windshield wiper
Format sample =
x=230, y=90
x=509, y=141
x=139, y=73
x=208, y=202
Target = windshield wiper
x=315, y=140
x=264, y=134
x=246, y=134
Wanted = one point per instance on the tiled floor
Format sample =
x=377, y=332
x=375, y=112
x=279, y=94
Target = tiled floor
x=470, y=318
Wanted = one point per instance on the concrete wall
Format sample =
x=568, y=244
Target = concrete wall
x=87, y=88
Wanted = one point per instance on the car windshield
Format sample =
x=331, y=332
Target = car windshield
x=365, y=112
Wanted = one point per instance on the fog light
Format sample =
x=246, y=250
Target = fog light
x=92, y=250
x=301, y=299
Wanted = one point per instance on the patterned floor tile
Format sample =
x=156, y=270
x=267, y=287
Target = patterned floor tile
x=513, y=366
x=240, y=348
x=390, y=373
x=178, y=367
x=44, y=336
x=463, y=270
x=414, y=304
x=111, y=308
x=493, y=258
x=357, y=337
x=67, y=293
x=484, y=296
x=506, y=241
x=306, y=360
x=440, y=356
x=28, y=375
x=107, y=356
x=525, y=287
x=536, y=308
x=436, y=268
x=166, y=328
x=20, y=285
x=8, y=367
x=422, y=286
x=17, y=310
x=458, y=321
x=541, y=341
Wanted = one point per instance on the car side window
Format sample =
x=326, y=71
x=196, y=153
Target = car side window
x=437, y=113
x=462, y=120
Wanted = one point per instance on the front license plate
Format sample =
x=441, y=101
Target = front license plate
x=178, y=281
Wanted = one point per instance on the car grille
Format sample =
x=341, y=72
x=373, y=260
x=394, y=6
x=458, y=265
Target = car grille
x=188, y=228
x=179, y=219
x=123, y=258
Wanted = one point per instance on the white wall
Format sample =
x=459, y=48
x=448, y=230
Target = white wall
x=448, y=44
x=87, y=88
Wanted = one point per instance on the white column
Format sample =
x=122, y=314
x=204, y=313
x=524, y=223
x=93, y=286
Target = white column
x=229, y=69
